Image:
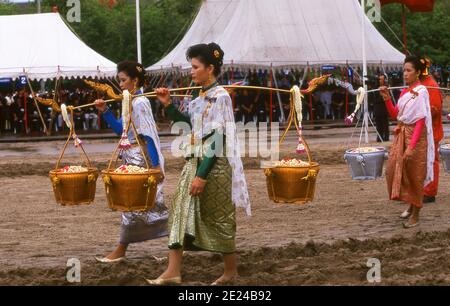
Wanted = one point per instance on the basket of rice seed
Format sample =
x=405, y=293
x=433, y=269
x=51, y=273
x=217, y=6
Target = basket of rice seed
x=74, y=184
x=130, y=188
x=291, y=180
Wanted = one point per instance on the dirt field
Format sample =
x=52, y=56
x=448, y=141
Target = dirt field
x=327, y=241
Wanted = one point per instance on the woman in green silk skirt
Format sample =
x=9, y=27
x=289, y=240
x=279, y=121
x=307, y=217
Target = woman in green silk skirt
x=212, y=182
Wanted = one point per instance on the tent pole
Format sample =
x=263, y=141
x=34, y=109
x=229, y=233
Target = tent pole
x=232, y=82
x=153, y=81
x=165, y=81
x=311, y=100
x=37, y=106
x=138, y=32
x=111, y=81
x=99, y=115
x=405, y=46
x=282, y=118
x=158, y=80
x=25, y=115
x=346, y=92
x=366, y=103
x=271, y=96
x=185, y=81
x=54, y=115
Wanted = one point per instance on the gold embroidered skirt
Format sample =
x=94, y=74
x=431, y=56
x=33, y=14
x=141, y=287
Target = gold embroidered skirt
x=206, y=222
x=405, y=179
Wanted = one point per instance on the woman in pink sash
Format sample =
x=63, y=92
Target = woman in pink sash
x=410, y=164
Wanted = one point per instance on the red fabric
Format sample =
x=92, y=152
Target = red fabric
x=436, y=99
x=431, y=189
x=392, y=110
x=413, y=5
x=111, y=3
x=436, y=107
x=417, y=132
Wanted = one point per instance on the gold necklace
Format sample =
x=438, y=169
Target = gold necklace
x=205, y=90
x=204, y=114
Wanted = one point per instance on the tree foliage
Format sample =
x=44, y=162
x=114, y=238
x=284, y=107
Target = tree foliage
x=427, y=33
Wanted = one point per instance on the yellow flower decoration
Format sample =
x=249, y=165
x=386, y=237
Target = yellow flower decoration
x=216, y=53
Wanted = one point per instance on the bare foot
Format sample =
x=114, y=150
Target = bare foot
x=117, y=253
x=169, y=274
x=226, y=278
x=412, y=222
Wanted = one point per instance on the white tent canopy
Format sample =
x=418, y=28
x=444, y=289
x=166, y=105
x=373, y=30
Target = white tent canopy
x=284, y=33
x=42, y=46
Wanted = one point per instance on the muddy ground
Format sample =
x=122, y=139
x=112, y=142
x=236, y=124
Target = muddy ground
x=327, y=241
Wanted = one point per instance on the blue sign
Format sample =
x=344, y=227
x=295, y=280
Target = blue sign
x=328, y=67
x=23, y=80
x=5, y=80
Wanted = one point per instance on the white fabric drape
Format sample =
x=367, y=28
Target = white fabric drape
x=412, y=107
x=220, y=118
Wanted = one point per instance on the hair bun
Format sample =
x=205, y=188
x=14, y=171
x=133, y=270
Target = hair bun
x=208, y=54
x=216, y=52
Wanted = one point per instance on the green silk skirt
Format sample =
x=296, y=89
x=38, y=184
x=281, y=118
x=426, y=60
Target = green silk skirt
x=206, y=222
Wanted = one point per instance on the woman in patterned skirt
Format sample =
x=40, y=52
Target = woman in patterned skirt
x=152, y=224
x=212, y=182
x=410, y=164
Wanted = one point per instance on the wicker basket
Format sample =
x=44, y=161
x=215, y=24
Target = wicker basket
x=74, y=188
x=131, y=191
x=292, y=184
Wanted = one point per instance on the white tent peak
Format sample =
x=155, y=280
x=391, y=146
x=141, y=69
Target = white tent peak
x=42, y=46
x=284, y=33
